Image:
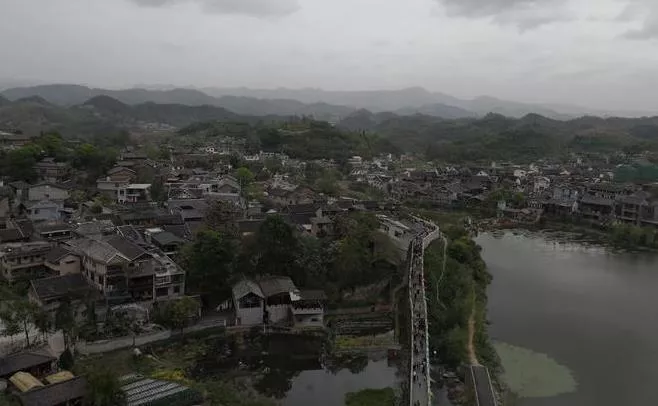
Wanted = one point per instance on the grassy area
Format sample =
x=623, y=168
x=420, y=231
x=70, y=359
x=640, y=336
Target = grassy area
x=352, y=342
x=371, y=397
x=174, y=361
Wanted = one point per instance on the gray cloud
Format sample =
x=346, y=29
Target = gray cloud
x=525, y=14
x=645, y=11
x=255, y=8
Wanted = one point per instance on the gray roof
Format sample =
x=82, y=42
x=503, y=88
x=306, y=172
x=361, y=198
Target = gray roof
x=94, y=227
x=57, y=253
x=599, y=201
x=48, y=228
x=166, y=238
x=98, y=250
x=132, y=233
x=55, y=394
x=274, y=285
x=126, y=247
x=313, y=295
x=245, y=287
x=58, y=286
x=23, y=360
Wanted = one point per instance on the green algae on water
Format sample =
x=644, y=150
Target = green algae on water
x=533, y=375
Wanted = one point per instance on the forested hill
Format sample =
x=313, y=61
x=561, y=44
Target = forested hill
x=66, y=95
x=498, y=137
x=104, y=114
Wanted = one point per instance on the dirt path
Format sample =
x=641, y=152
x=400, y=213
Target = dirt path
x=472, y=357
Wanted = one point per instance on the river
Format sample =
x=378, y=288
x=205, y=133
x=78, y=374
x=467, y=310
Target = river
x=588, y=312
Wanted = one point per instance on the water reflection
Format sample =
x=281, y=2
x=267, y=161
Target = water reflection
x=295, y=369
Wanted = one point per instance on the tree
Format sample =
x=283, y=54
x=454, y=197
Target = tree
x=52, y=145
x=180, y=311
x=104, y=388
x=19, y=163
x=65, y=321
x=222, y=216
x=158, y=190
x=277, y=246
x=244, y=177
x=20, y=313
x=210, y=262
x=12, y=325
x=66, y=360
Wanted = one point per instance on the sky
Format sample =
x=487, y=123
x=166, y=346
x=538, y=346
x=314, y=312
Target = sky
x=595, y=53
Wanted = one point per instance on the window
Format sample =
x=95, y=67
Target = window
x=176, y=289
x=162, y=292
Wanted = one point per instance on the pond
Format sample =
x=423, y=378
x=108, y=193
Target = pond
x=294, y=370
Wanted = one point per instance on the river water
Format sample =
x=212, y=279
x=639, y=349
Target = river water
x=590, y=313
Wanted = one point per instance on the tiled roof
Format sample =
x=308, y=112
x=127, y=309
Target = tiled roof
x=58, y=286
x=274, y=285
x=23, y=360
x=57, y=253
x=165, y=238
x=246, y=286
x=98, y=250
x=126, y=247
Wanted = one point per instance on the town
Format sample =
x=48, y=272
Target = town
x=169, y=240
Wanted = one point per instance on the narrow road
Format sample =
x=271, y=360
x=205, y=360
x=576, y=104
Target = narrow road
x=472, y=354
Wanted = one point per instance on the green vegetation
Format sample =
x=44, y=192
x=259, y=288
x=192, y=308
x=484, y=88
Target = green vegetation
x=356, y=254
x=453, y=295
x=495, y=137
x=371, y=397
x=630, y=237
x=104, y=388
x=531, y=374
x=300, y=138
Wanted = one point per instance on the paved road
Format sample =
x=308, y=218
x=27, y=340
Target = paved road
x=483, y=389
x=420, y=373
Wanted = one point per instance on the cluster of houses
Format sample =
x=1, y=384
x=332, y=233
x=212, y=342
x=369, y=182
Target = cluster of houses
x=34, y=379
x=552, y=191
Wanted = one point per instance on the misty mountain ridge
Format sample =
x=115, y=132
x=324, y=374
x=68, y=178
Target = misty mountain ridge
x=322, y=104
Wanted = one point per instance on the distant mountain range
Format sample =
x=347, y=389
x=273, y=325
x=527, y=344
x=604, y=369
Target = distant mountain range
x=419, y=100
x=103, y=114
x=321, y=104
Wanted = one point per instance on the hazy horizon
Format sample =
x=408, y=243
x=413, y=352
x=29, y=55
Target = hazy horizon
x=553, y=51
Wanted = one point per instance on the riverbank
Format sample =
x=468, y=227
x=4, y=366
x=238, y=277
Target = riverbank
x=620, y=237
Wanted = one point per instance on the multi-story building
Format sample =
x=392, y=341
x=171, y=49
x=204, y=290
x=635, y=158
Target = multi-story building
x=49, y=191
x=134, y=193
x=123, y=271
x=23, y=260
x=117, y=178
x=51, y=171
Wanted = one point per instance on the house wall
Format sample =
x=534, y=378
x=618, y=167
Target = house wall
x=42, y=192
x=310, y=320
x=278, y=312
x=4, y=206
x=50, y=213
x=30, y=266
x=67, y=265
x=249, y=316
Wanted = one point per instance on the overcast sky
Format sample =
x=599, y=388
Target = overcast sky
x=597, y=53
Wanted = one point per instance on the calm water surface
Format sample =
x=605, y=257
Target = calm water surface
x=323, y=388
x=592, y=310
